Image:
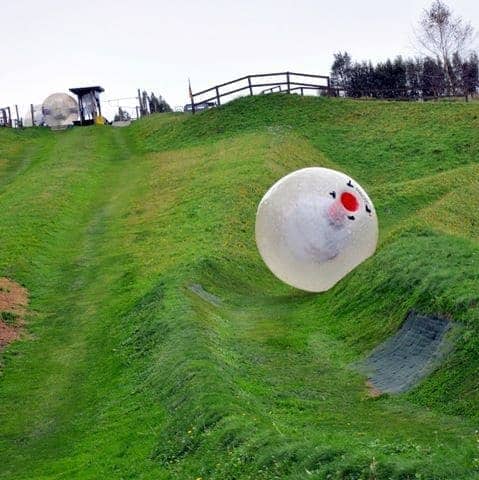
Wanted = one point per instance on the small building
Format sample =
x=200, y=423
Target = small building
x=89, y=104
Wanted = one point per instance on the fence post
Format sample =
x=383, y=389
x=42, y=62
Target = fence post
x=139, y=101
x=18, y=116
x=287, y=82
x=9, y=117
x=250, y=86
x=329, y=86
x=32, y=111
x=302, y=92
x=217, y=96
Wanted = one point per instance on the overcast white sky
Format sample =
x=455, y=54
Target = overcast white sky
x=156, y=45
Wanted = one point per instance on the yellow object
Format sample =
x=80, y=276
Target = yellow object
x=99, y=120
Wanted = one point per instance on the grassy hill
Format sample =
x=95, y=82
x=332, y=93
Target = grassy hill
x=159, y=345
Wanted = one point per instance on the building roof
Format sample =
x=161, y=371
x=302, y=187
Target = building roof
x=84, y=90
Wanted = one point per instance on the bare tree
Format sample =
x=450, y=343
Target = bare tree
x=440, y=34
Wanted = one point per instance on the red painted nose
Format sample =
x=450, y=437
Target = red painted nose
x=349, y=201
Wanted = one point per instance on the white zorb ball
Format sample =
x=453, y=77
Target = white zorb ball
x=314, y=226
x=60, y=110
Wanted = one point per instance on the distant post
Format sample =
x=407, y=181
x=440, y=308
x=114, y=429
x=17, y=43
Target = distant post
x=32, y=111
x=250, y=86
x=141, y=102
x=18, y=116
x=192, y=100
x=217, y=96
x=288, y=84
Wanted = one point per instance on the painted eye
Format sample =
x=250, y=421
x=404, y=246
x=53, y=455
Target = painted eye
x=349, y=202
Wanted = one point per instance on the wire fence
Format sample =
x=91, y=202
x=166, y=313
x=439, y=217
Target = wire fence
x=134, y=107
x=32, y=115
x=19, y=116
x=400, y=94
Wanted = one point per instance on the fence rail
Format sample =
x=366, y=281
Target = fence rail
x=292, y=81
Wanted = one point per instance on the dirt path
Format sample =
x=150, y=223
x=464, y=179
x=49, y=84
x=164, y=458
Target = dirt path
x=13, y=306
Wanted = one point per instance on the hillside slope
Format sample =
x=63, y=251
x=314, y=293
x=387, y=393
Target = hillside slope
x=160, y=346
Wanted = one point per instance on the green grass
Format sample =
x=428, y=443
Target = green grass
x=9, y=318
x=127, y=373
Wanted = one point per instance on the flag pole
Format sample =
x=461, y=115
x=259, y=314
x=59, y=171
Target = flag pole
x=191, y=96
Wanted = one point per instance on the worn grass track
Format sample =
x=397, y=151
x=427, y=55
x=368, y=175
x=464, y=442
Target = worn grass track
x=126, y=372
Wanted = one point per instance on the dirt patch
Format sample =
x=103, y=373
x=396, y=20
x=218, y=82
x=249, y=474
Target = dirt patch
x=13, y=307
x=373, y=392
x=8, y=334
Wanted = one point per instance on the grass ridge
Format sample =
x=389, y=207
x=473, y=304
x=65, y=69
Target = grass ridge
x=130, y=374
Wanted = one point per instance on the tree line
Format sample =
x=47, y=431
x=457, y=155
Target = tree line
x=447, y=66
x=148, y=104
x=153, y=104
x=411, y=78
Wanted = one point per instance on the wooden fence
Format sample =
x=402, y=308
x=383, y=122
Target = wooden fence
x=5, y=117
x=285, y=82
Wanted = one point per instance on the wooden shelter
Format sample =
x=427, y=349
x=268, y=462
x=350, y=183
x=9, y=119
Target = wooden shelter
x=88, y=103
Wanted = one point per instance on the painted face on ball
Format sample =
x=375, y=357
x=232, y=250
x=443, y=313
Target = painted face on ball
x=314, y=226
